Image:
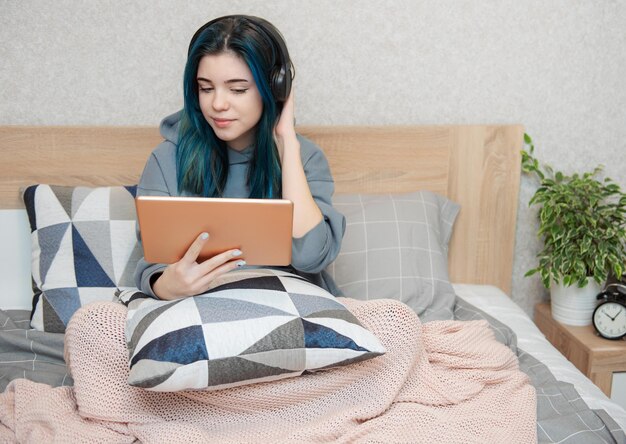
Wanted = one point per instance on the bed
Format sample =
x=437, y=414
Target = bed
x=475, y=166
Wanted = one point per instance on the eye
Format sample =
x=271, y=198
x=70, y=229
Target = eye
x=205, y=90
x=239, y=90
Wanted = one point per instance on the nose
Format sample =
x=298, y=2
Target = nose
x=220, y=101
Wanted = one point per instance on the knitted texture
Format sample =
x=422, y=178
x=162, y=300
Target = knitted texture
x=444, y=381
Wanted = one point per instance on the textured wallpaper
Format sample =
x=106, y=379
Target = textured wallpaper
x=557, y=67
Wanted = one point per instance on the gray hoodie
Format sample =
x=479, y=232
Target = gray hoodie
x=310, y=253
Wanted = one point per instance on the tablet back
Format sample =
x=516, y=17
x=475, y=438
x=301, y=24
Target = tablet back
x=260, y=228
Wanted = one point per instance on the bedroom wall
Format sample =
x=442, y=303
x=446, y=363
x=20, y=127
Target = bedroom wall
x=557, y=67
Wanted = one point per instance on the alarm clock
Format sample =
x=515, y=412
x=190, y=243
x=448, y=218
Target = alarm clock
x=609, y=317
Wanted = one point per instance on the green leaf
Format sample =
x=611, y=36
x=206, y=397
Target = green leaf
x=531, y=272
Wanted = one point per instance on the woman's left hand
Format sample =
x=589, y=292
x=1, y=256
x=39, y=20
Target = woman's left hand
x=285, y=128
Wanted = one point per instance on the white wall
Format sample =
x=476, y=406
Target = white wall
x=557, y=67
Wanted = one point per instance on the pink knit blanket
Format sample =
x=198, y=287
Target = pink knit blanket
x=444, y=381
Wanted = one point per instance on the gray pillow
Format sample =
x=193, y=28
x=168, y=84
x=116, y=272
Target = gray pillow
x=396, y=247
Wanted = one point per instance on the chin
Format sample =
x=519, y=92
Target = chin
x=224, y=135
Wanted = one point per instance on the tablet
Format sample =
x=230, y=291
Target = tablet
x=260, y=228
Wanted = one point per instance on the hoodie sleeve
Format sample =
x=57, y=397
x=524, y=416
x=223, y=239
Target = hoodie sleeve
x=315, y=250
x=155, y=181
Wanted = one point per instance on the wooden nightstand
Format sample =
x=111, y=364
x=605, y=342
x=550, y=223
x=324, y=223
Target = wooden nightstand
x=596, y=357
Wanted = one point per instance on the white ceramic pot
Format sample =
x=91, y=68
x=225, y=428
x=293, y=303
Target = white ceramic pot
x=573, y=305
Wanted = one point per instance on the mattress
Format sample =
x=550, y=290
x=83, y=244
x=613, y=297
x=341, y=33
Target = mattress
x=497, y=304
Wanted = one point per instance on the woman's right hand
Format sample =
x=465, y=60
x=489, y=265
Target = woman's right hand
x=188, y=277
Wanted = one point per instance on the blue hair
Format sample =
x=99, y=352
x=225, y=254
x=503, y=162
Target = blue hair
x=201, y=157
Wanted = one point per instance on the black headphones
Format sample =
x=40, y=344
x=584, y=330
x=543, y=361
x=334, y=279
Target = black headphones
x=281, y=74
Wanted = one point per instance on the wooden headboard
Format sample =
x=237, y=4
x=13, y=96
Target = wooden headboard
x=476, y=166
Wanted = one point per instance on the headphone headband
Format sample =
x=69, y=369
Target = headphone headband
x=281, y=73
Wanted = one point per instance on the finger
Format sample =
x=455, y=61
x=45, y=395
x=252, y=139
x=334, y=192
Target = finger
x=287, y=113
x=211, y=264
x=205, y=282
x=289, y=107
x=194, y=249
x=291, y=101
x=292, y=95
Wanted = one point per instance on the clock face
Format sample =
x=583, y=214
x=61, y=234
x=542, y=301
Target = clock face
x=610, y=320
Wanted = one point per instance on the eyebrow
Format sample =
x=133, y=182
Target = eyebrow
x=227, y=81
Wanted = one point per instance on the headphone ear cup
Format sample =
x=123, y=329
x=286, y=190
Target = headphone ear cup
x=280, y=84
x=287, y=81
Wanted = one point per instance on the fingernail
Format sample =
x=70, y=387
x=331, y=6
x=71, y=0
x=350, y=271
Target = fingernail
x=241, y=263
x=204, y=236
x=237, y=253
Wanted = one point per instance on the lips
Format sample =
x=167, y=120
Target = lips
x=222, y=123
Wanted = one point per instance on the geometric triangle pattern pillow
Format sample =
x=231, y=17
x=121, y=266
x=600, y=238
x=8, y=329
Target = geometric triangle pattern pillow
x=252, y=326
x=84, y=248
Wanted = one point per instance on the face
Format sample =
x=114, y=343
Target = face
x=229, y=99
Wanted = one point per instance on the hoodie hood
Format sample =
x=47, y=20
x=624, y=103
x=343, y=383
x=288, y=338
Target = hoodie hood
x=169, y=130
x=169, y=127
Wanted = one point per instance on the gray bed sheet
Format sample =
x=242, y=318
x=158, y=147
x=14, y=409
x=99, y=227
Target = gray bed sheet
x=28, y=353
x=562, y=416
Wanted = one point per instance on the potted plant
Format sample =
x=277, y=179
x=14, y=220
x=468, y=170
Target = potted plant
x=582, y=220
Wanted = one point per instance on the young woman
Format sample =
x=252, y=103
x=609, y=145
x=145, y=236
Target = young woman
x=235, y=138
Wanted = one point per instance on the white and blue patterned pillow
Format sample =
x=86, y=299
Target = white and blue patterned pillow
x=252, y=326
x=84, y=248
